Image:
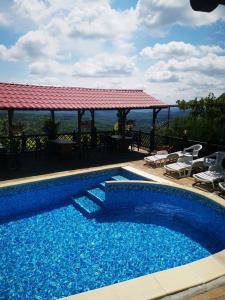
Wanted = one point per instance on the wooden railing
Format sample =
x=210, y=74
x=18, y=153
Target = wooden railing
x=31, y=143
x=178, y=143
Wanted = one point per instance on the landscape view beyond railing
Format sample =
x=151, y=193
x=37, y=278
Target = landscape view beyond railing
x=33, y=121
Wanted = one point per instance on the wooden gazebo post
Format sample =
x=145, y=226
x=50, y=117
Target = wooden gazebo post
x=168, y=117
x=119, y=117
x=93, y=129
x=152, y=132
x=80, y=113
x=10, y=127
x=125, y=112
x=52, y=116
x=122, y=115
x=123, y=123
x=10, y=122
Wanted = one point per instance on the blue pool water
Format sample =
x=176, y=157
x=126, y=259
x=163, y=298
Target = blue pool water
x=55, y=243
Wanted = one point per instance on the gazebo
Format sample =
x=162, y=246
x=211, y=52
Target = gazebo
x=34, y=97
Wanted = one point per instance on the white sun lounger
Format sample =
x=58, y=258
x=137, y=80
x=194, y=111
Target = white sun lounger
x=161, y=157
x=209, y=177
x=222, y=186
x=215, y=173
x=182, y=167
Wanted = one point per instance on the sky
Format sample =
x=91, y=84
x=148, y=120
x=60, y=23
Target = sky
x=160, y=46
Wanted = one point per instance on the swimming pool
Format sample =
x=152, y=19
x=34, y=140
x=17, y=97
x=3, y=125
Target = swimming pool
x=54, y=245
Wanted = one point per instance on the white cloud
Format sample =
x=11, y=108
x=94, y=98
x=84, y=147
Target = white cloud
x=31, y=46
x=101, y=65
x=3, y=52
x=99, y=20
x=156, y=15
x=83, y=19
x=185, y=70
x=212, y=65
x=161, y=76
x=179, y=50
x=4, y=20
x=184, y=62
x=49, y=67
x=104, y=65
x=33, y=9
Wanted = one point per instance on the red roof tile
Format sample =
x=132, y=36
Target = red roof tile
x=20, y=96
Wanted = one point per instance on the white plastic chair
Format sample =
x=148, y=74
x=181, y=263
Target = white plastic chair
x=193, y=150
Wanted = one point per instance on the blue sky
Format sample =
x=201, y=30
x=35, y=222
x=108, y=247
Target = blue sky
x=162, y=46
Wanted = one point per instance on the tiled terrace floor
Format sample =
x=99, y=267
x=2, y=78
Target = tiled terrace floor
x=160, y=172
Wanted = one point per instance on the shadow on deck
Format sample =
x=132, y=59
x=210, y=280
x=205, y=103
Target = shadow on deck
x=31, y=164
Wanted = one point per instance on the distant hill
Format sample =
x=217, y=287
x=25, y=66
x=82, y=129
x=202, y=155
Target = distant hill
x=34, y=120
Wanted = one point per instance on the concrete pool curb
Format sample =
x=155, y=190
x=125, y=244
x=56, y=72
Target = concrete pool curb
x=161, y=284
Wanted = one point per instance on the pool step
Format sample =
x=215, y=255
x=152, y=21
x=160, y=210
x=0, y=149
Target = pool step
x=94, y=198
x=102, y=185
x=86, y=205
x=97, y=195
x=119, y=177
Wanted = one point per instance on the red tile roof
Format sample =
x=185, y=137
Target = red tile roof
x=20, y=96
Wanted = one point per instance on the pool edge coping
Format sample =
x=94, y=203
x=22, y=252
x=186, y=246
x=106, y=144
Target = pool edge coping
x=55, y=175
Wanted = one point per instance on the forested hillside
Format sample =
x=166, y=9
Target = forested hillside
x=204, y=122
x=33, y=122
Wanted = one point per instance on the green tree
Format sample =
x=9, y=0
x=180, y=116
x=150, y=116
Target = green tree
x=205, y=121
